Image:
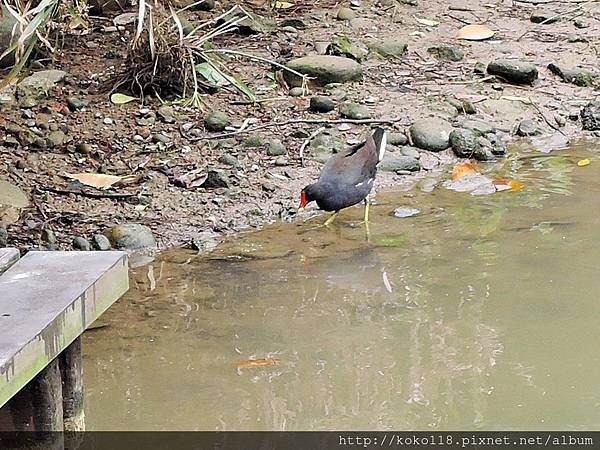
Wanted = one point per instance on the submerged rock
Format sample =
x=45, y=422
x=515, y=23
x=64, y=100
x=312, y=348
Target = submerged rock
x=405, y=211
x=324, y=69
x=431, y=134
x=514, y=71
x=130, y=236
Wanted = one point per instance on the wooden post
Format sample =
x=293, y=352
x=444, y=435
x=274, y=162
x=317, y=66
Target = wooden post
x=71, y=370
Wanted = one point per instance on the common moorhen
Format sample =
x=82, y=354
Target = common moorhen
x=347, y=178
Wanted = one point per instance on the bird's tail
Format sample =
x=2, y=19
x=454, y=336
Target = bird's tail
x=380, y=142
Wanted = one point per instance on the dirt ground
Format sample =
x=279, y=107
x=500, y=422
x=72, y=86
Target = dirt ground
x=265, y=188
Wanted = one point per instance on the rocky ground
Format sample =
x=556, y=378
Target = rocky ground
x=445, y=98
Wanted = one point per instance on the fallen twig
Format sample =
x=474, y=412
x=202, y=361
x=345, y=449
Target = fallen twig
x=307, y=141
x=551, y=125
x=115, y=196
x=556, y=16
x=287, y=122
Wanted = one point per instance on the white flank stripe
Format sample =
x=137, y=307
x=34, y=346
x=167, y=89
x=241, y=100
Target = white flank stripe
x=359, y=184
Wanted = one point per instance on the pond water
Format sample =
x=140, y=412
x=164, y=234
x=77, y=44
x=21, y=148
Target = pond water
x=481, y=312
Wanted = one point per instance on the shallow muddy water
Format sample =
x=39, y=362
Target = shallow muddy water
x=478, y=313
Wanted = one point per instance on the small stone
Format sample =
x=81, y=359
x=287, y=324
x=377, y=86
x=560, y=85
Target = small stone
x=579, y=77
x=216, y=121
x=446, y=53
x=276, y=148
x=353, y=110
x=56, y=139
x=343, y=46
x=410, y=151
x=296, y=92
x=324, y=69
x=82, y=244
x=161, y=138
x=107, y=121
x=281, y=161
x=289, y=29
x=478, y=126
x=513, y=71
x=229, y=160
x=345, y=13
x=397, y=139
x=131, y=236
x=3, y=237
x=590, y=116
x=300, y=133
x=580, y=24
x=321, y=103
x=48, y=236
x=166, y=113
x=405, y=211
x=138, y=139
x=388, y=48
x=268, y=187
x=529, y=128
x=479, y=68
x=399, y=163
x=146, y=118
x=464, y=142
x=560, y=120
x=100, y=242
x=546, y=17
x=431, y=134
x=75, y=103
x=321, y=47
x=217, y=179
x=84, y=148
x=254, y=141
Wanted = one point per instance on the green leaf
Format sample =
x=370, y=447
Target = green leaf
x=210, y=73
x=121, y=99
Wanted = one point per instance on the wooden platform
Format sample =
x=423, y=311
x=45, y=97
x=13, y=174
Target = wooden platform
x=47, y=300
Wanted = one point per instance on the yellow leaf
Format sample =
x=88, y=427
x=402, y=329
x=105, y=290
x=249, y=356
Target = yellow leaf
x=428, y=22
x=283, y=5
x=120, y=99
x=509, y=185
x=463, y=169
x=474, y=33
x=97, y=180
x=583, y=162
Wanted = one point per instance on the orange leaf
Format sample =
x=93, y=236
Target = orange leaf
x=509, y=185
x=474, y=32
x=463, y=169
x=255, y=363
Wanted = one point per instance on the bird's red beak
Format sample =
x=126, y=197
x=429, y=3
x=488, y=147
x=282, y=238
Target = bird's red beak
x=302, y=201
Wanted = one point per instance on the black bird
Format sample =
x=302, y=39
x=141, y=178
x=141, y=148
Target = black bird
x=347, y=178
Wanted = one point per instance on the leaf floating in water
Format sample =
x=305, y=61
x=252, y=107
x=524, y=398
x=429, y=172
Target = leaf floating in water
x=427, y=22
x=474, y=32
x=508, y=185
x=256, y=363
x=463, y=169
x=121, y=99
x=583, y=162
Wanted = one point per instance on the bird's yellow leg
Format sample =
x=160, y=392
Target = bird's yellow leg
x=367, y=205
x=331, y=219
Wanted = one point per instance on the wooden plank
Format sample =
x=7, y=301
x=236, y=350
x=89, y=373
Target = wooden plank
x=47, y=300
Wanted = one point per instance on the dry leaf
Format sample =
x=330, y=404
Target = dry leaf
x=97, y=180
x=428, y=22
x=283, y=5
x=255, y=363
x=583, y=162
x=193, y=179
x=463, y=169
x=474, y=33
x=509, y=185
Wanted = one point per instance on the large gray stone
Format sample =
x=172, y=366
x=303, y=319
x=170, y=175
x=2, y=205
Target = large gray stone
x=431, y=134
x=464, y=142
x=399, y=163
x=324, y=69
x=518, y=72
x=131, y=236
x=388, y=48
x=355, y=111
x=38, y=86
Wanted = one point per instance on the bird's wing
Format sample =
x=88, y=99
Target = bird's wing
x=353, y=165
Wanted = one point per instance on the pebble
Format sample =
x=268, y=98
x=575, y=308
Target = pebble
x=100, y=242
x=321, y=103
x=107, y=121
x=345, y=13
x=405, y=211
x=82, y=244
